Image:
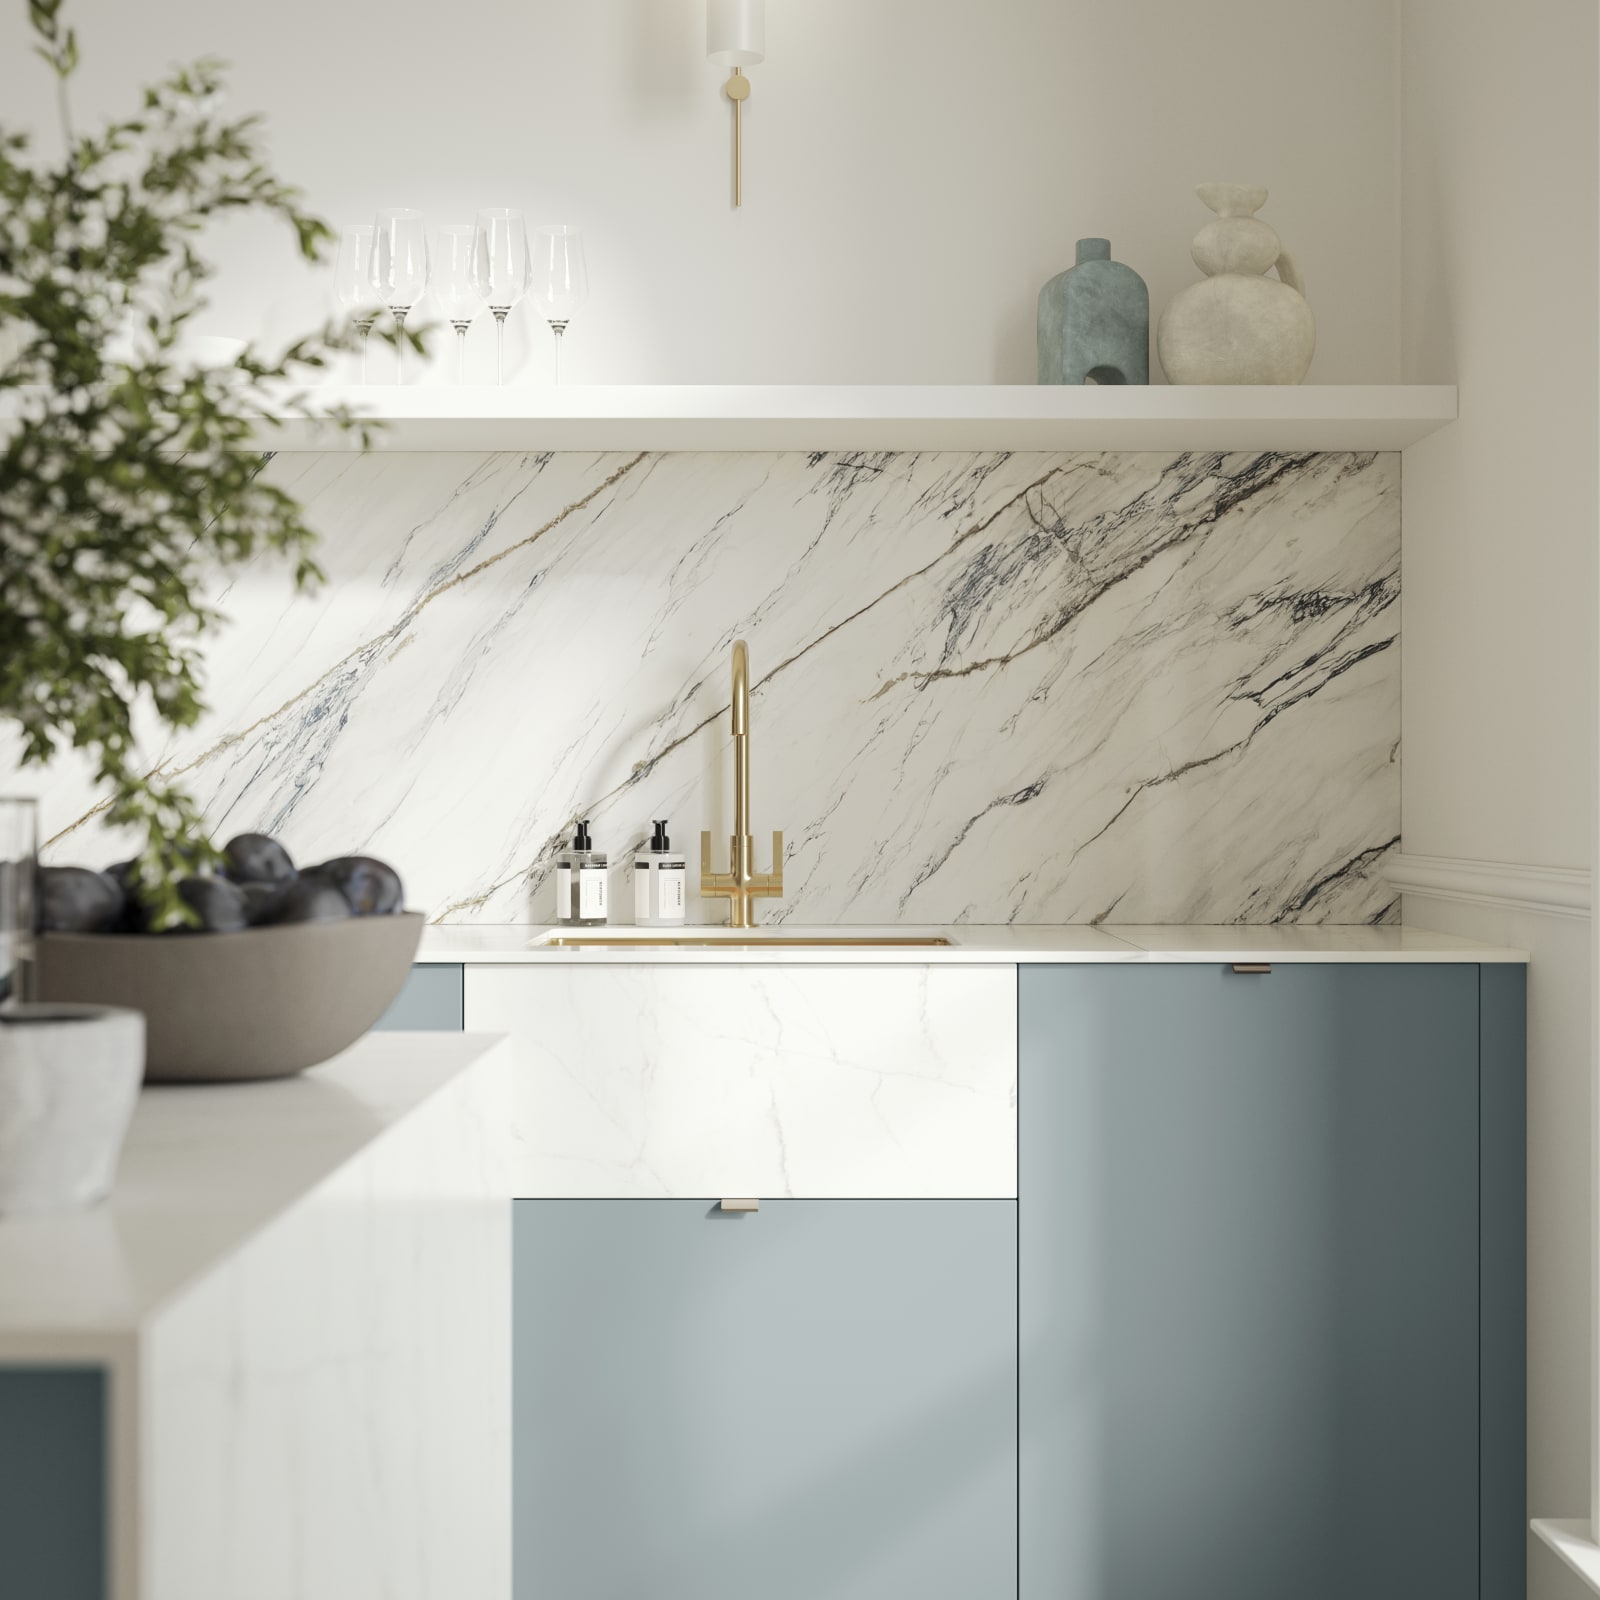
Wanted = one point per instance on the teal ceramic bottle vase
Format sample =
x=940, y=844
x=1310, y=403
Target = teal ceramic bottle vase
x=1094, y=321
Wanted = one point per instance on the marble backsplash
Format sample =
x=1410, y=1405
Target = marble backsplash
x=986, y=688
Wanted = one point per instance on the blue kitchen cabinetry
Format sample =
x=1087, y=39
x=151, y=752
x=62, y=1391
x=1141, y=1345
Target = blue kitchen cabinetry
x=1271, y=1282
x=54, y=1502
x=819, y=1398
x=430, y=1002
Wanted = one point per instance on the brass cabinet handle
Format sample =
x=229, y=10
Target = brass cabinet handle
x=741, y=1205
x=1252, y=966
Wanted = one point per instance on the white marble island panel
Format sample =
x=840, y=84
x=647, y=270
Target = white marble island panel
x=300, y=1293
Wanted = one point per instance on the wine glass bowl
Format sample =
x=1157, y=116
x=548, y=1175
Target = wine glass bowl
x=397, y=268
x=500, y=268
x=560, y=283
x=455, y=284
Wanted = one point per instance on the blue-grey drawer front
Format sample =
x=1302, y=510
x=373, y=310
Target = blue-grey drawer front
x=816, y=1400
x=430, y=1002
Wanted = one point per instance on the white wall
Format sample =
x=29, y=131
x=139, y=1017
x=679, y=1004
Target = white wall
x=915, y=168
x=1499, y=201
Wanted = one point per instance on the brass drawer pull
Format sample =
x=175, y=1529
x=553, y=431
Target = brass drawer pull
x=741, y=1205
x=1252, y=966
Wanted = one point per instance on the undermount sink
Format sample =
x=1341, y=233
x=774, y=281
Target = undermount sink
x=654, y=938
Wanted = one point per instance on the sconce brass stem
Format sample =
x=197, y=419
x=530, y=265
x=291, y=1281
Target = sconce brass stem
x=738, y=89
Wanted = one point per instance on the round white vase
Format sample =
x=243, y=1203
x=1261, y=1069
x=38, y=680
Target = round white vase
x=1237, y=325
x=69, y=1079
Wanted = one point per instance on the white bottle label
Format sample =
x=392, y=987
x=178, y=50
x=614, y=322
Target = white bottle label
x=671, y=880
x=563, y=894
x=641, y=893
x=591, y=894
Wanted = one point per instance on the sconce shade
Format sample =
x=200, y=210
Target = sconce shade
x=736, y=32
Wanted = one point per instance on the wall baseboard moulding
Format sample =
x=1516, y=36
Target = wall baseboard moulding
x=1554, y=891
x=1573, y=1540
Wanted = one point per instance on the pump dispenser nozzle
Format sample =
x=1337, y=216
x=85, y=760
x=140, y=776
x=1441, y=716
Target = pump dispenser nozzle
x=659, y=842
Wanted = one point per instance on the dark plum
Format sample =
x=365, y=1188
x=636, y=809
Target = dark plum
x=306, y=900
x=372, y=887
x=135, y=918
x=76, y=900
x=260, y=900
x=257, y=858
x=218, y=904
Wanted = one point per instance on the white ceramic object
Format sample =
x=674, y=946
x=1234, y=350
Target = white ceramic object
x=1237, y=325
x=69, y=1077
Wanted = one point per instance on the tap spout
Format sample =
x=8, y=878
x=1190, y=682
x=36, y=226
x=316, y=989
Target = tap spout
x=741, y=754
x=741, y=689
x=741, y=883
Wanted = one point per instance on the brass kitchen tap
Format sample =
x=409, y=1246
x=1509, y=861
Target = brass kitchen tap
x=743, y=883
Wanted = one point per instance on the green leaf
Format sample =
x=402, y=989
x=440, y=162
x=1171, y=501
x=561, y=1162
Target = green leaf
x=127, y=486
x=42, y=14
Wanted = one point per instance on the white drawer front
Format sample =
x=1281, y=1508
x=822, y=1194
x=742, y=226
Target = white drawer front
x=813, y=1082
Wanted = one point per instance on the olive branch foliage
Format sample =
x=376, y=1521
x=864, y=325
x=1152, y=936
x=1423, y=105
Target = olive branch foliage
x=128, y=480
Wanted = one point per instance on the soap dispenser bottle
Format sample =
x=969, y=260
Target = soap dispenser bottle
x=581, y=883
x=660, y=883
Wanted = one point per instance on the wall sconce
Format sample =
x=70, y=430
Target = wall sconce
x=736, y=36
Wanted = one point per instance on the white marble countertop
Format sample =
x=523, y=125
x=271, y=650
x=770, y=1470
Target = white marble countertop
x=205, y=1168
x=509, y=944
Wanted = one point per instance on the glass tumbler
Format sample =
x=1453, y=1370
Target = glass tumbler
x=19, y=853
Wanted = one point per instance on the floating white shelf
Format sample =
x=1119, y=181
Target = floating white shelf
x=877, y=417
x=886, y=417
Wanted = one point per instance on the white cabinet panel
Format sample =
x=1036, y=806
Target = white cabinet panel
x=819, y=1082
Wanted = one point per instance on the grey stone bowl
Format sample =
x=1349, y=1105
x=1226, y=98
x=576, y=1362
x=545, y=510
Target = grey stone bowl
x=218, y=1007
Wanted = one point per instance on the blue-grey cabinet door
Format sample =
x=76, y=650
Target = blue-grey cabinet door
x=1249, y=1283
x=815, y=1400
x=54, y=1483
x=430, y=1001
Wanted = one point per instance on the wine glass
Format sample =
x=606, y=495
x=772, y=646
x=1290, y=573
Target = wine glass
x=398, y=266
x=454, y=283
x=500, y=270
x=560, y=278
x=352, y=285
x=19, y=864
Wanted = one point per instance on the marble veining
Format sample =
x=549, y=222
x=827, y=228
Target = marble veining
x=326, y=1415
x=987, y=688
x=812, y=1082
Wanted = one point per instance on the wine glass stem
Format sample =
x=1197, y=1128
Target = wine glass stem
x=461, y=353
x=500, y=343
x=400, y=346
x=365, y=326
x=558, y=328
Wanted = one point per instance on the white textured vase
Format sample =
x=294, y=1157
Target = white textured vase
x=1237, y=325
x=69, y=1078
